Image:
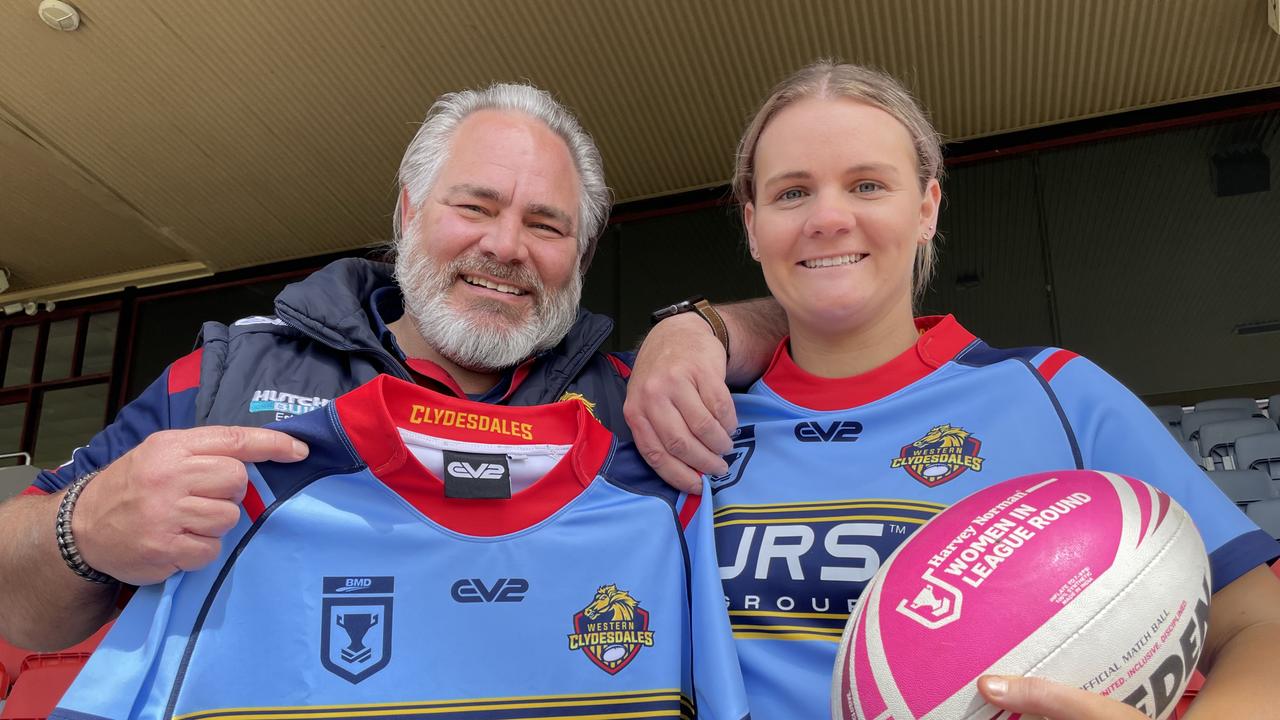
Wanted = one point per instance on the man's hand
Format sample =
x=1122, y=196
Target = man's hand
x=1037, y=696
x=678, y=405
x=165, y=505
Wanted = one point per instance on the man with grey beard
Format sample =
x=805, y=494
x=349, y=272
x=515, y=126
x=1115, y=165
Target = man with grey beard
x=502, y=199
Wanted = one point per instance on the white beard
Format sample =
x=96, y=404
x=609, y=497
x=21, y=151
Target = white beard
x=481, y=335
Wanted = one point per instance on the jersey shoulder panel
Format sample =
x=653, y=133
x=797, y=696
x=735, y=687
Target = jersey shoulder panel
x=980, y=354
x=329, y=453
x=1118, y=433
x=626, y=469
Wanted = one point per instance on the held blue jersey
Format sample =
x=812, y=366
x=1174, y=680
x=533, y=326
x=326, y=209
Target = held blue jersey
x=439, y=557
x=828, y=477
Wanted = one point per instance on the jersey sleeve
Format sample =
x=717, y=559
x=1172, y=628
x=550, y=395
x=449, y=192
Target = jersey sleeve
x=168, y=403
x=1115, y=431
x=717, y=677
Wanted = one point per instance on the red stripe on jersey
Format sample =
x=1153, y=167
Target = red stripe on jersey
x=432, y=371
x=33, y=490
x=184, y=373
x=1054, y=363
x=623, y=369
x=517, y=377
x=253, y=504
x=691, y=503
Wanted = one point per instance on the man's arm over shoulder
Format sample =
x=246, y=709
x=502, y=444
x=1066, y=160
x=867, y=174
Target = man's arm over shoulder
x=678, y=403
x=43, y=605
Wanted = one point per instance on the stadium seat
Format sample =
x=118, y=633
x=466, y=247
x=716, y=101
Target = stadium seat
x=11, y=657
x=1169, y=415
x=1218, y=440
x=1192, y=449
x=1243, y=486
x=1273, y=408
x=1192, y=421
x=14, y=480
x=1260, y=452
x=1229, y=404
x=40, y=684
x=1266, y=514
x=14, y=661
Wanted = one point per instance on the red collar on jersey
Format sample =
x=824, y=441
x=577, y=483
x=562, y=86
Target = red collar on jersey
x=941, y=339
x=428, y=370
x=371, y=414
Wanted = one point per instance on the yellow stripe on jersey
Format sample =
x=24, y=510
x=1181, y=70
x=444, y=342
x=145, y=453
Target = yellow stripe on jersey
x=575, y=707
x=832, y=518
x=833, y=505
x=786, y=636
x=780, y=614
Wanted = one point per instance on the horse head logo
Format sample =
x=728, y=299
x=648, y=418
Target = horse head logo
x=609, y=599
x=943, y=436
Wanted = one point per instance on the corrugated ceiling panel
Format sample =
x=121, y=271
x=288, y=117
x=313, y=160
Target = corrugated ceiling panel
x=252, y=132
x=47, y=203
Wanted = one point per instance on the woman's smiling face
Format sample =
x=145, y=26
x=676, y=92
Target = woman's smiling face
x=838, y=213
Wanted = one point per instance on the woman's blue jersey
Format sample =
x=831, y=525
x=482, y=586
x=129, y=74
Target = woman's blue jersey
x=435, y=557
x=828, y=477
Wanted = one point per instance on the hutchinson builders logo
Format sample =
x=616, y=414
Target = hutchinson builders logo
x=283, y=404
x=611, y=629
x=941, y=455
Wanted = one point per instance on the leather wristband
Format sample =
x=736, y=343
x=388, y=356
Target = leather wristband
x=704, y=309
x=67, y=542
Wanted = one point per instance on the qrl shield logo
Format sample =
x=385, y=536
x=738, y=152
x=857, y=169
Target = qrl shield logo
x=355, y=639
x=937, y=604
x=611, y=629
x=744, y=446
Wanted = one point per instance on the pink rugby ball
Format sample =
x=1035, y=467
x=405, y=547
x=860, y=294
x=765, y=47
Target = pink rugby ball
x=1087, y=578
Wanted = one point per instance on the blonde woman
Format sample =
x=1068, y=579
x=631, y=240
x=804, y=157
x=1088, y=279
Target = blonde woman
x=870, y=420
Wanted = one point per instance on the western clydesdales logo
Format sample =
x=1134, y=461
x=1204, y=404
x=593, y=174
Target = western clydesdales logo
x=591, y=407
x=941, y=455
x=611, y=629
x=355, y=632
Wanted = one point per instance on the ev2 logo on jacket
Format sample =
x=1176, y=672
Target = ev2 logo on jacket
x=476, y=475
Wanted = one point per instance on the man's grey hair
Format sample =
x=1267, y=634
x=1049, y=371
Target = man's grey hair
x=429, y=150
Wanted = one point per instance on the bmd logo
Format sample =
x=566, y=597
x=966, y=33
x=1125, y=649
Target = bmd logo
x=354, y=585
x=479, y=471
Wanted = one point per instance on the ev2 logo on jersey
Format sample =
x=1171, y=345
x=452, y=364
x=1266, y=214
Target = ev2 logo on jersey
x=838, y=431
x=481, y=471
x=504, y=590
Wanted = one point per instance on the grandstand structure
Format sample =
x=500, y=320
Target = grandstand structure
x=1237, y=442
x=1113, y=185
